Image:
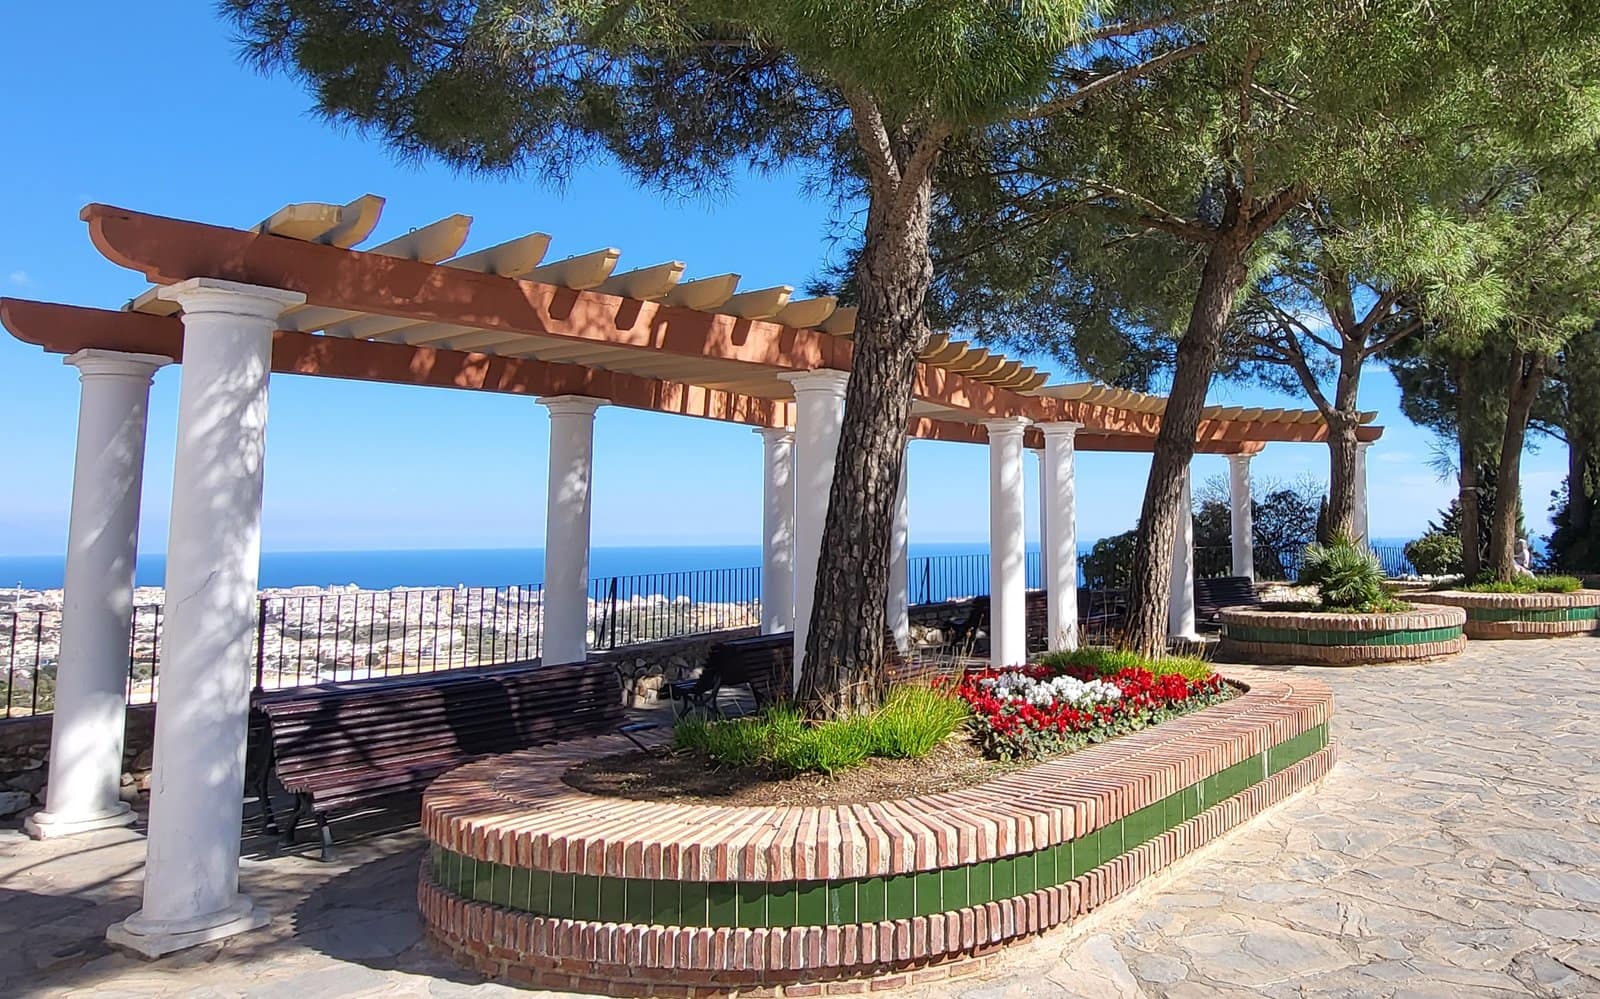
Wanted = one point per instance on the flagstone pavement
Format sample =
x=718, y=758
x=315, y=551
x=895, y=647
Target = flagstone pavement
x=1454, y=851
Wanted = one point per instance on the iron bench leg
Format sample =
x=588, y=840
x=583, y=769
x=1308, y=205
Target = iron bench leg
x=302, y=808
x=328, y=855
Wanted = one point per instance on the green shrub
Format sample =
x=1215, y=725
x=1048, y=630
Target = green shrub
x=1528, y=584
x=913, y=722
x=1109, y=661
x=1346, y=574
x=1437, y=553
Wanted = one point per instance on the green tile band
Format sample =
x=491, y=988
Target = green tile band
x=754, y=904
x=1533, y=613
x=1301, y=636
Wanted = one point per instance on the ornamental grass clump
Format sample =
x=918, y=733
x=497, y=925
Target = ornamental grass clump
x=1348, y=577
x=1043, y=710
x=913, y=722
x=1107, y=662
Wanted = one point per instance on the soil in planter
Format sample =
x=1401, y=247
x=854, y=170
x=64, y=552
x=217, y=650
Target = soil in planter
x=693, y=779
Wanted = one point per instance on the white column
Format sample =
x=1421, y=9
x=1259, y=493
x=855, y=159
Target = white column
x=1008, y=638
x=777, y=530
x=1360, y=518
x=566, y=531
x=1180, y=607
x=1239, y=502
x=819, y=415
x=898, y=607
x=1058, y=494
x=191, y=881
x=97, y=604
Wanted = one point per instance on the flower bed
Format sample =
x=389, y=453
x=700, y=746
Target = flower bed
x=532, y=881
x=1521, y=615
x=1326, y=638
x=1040, y=710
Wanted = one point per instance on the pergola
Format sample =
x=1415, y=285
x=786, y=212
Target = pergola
x=293, y=295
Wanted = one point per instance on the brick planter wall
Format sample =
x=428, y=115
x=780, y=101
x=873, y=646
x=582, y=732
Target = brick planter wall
x=1522, y=615
x=1321, y=638
x=533, y=882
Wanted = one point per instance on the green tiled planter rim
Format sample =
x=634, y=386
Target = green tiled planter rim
x=753, y=904
x=1301, y=636
x=1533, y=613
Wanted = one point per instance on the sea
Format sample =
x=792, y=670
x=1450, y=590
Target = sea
x=382, y=570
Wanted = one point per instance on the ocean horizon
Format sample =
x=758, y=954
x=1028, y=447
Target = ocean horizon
x=384, y=569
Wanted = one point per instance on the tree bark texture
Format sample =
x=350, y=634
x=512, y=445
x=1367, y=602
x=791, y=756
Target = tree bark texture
x=1526, y=377
x=1343, y=418
x=1467, y=478
x=844, y=669
x=1580, y=505
x=1224, y=275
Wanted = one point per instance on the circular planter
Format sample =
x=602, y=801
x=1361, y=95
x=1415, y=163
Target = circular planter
x=1522, y=615
x=1322, y=638
x=532, y=881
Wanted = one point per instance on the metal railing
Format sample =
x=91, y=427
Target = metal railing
x=304, y=639
x=624, y=610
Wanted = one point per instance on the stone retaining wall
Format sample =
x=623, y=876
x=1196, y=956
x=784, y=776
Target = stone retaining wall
x=534, y=882
x=647, y=668
x=1522, y=615
x=25, y=754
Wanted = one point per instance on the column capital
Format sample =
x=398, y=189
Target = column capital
x=571, y=405
x=211, y=295
x=1240, y=459
x=1062, y=429
x=1006, y=426
x=93, y=362
x=775, y=435
x=1363, y=445
x=826, y=380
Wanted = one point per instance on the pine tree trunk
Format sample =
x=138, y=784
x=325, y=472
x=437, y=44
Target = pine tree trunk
x=1580, y=505
x=1527, y=375
x=844, y=660
x=1342, y=423
x=1146, y=629
x=1467, y=477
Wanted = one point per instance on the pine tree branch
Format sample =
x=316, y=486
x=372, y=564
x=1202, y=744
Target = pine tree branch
x=1066, y=102
x=873, y=138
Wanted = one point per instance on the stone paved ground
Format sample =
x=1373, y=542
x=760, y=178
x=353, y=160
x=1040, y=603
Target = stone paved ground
x=1455, y=851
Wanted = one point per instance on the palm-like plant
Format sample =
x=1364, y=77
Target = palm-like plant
x=1345, y=573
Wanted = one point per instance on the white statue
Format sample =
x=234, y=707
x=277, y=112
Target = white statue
x=1522, y=555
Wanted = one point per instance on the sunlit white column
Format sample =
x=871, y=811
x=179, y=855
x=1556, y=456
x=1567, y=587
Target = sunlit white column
x=898, y=608
x=1008, y=638
x=1360, y=518
x=1239, y=503
x=97, y=602
x=777, y=530
x=191, y=882
x=1058, y=494
x=1181, y=621
x=819, y=415
x=566, y=533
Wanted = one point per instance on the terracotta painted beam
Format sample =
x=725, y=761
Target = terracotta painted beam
x=954, y=431
x=64, y=329
x=167, y=250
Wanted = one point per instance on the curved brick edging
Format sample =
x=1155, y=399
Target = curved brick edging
x=1522, y=615
x=1324, y=638
x=774, y=897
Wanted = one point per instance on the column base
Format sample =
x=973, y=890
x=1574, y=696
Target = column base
x=43, y=825
x=153, y=938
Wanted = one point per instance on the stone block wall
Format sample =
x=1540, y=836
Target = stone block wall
x=25, y=757
x=647, y=668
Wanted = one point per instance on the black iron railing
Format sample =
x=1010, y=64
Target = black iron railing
x=337, y=637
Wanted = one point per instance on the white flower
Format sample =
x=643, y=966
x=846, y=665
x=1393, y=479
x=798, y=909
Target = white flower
x=1014, y=686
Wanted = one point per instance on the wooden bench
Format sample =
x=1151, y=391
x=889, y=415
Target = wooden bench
x=1100, y=612
x=1212, y=595
x=336, y=747
x=764, y=663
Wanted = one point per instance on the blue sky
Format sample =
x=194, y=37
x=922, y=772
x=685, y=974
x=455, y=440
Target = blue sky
x=146, y=106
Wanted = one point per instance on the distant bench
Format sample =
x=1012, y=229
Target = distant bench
x=335, y=748
x=1212, y=596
